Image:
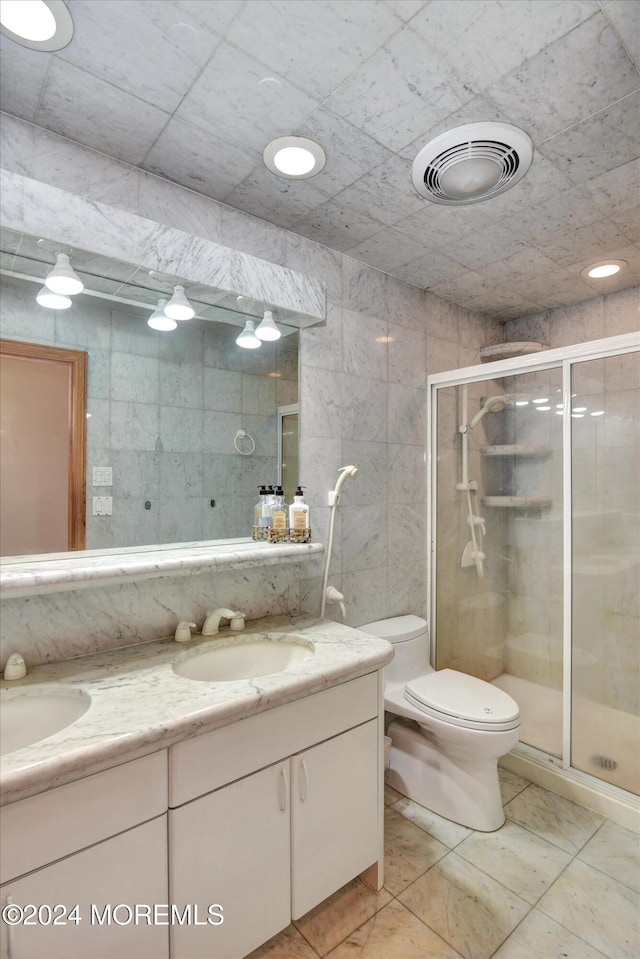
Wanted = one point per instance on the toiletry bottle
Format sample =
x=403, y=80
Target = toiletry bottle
x=298, y=511
x=260, y=511
x=267, y=506
x=257, y=509
x=279, y=510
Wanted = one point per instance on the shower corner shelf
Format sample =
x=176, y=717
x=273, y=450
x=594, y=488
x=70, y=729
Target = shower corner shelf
x=518, y=502
x=504, y=351
x=515, y=449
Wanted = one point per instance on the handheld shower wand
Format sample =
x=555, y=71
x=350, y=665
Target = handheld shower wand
x=345, y=472
x=334, y=498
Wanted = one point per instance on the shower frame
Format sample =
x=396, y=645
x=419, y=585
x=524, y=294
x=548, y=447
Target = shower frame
x=531, y=762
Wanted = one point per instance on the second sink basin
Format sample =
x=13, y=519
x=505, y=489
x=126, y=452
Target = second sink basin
x=29, y=715
x=251, y=657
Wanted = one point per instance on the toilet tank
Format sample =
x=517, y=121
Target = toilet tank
x=410, y=638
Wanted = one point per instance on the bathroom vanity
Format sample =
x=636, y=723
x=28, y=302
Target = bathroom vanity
x=181, y=818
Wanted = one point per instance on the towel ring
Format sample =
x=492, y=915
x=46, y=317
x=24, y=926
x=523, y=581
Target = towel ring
x=242, y=435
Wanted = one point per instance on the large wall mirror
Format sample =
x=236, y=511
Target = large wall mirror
x=186, y=421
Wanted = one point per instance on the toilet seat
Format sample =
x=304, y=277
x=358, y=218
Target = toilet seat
x=463, y=700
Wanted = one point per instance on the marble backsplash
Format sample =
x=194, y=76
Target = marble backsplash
x=59, y=626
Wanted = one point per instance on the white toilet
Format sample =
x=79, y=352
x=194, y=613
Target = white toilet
x=449, y=733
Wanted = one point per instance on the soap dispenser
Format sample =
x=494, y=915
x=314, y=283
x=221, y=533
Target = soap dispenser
x=279, y=510
x=261, y=510
x=298, y=511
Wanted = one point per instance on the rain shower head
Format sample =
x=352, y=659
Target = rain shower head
x=493, y=405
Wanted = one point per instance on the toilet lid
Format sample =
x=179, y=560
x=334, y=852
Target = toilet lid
x=462, y=697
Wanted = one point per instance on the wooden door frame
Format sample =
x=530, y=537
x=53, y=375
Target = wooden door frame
x=77, y=361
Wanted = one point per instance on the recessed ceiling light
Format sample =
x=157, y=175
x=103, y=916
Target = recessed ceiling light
x=38, y=24
x=296, y=158
x=598, y=271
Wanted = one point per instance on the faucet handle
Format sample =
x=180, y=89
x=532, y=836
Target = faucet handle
x=15, y=667
x=183, y=632
x=237, y=621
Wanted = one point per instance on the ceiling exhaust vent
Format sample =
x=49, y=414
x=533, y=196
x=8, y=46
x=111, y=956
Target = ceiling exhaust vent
x=472, y=163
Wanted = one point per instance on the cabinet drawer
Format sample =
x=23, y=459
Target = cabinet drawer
x=214, y=759
x=59, y=822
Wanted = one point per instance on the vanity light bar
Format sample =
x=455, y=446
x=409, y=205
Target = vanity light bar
x=113, y=297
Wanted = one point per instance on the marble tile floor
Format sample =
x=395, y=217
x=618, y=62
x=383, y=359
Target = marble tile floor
x=556, y=882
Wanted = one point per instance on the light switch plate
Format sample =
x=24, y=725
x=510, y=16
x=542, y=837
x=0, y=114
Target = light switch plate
x=102, y=506
x=102, y=476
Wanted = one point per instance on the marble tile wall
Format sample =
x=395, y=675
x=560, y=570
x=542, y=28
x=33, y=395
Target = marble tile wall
x=163, y=410
x=362, y=377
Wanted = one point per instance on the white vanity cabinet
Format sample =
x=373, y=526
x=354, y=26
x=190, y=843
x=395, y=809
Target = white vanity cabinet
x=272, y=814
x=98, y=844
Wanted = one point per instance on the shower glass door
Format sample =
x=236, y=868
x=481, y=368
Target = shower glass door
x=605, y=461
x=499, y=534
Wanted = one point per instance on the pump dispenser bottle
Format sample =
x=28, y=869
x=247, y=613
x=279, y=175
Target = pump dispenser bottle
x=298, y=511
x=262, y=510
x=279, y=510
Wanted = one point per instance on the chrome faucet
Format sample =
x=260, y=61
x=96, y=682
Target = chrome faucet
x=211, y=625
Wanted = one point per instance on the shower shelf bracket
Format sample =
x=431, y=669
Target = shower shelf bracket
x=518, y=502
x=517, y=449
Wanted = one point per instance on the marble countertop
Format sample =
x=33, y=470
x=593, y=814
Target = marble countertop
x=58, y=572
x=139, y=705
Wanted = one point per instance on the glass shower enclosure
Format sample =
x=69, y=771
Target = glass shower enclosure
x=535, y=546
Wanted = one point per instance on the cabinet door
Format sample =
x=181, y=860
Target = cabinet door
x=106, y=882
x=231, y=848
x=334, y=813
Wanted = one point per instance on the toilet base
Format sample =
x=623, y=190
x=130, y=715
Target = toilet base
x=460, y=787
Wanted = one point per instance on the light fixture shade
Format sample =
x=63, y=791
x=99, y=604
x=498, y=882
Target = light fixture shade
x=267, y=329
x=63, y=278
x=44, y=25
x=159, y=319
x=296, y=158
x=248, y=339
x=52, y=301
x=178, y=307
x=603, y=269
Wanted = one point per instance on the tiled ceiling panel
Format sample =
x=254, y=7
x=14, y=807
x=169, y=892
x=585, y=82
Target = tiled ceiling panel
x=194, y=90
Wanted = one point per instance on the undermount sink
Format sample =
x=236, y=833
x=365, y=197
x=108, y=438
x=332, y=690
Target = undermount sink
x=251, y=657
x=28, y=716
